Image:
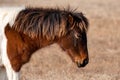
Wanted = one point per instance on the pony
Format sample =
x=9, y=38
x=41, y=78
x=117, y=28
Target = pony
x=25, y=30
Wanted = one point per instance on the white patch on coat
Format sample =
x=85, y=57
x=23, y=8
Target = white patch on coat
x=1, y=64
x=7, y=15
x=11, y=74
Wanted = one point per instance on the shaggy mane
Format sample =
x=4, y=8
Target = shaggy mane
x=48, y=23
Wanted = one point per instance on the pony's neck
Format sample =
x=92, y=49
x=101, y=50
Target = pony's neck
x=22, y=46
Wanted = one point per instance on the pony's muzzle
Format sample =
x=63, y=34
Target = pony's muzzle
x=83, y=63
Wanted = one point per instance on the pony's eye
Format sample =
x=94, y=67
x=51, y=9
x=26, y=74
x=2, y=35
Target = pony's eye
x=78, y=36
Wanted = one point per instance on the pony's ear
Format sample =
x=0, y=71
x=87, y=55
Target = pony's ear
x=83, y=24
x=70, y=20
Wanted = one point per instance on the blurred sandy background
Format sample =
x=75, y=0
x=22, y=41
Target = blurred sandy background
x=51, y=63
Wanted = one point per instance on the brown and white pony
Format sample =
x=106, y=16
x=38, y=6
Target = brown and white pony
x=25, y=30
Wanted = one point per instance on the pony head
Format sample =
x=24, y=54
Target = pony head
x=75, y=41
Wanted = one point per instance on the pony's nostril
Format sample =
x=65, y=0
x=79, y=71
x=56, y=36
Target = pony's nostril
x=85, y=61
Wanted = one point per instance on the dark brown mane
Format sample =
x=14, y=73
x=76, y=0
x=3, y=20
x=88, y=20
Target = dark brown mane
x=48, y=23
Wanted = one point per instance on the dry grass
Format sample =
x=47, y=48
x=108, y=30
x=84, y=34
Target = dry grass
x=51, y=63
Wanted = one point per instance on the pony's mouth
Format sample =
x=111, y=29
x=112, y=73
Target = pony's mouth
x=83, y=64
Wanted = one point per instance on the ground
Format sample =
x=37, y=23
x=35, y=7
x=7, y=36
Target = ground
x=51, y=63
